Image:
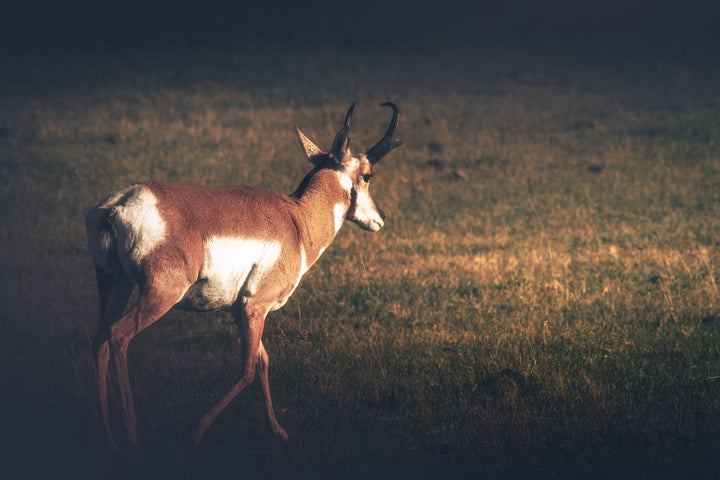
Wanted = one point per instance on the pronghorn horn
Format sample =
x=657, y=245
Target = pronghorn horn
x=387, y=143
x=341, y=145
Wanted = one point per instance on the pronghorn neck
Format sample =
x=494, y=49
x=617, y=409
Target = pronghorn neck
x=324, y=197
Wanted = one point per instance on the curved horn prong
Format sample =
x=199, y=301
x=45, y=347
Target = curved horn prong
x=388, y=142
x=340, y=146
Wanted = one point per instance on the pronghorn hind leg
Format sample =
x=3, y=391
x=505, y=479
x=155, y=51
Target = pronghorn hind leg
x=155, y=298
x=114, y=290
x=102, y=359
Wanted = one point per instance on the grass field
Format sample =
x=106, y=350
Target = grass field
x=543, y=301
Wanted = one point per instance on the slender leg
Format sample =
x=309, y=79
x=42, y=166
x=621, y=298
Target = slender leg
x=250, y=323
x=119, y=347
x=153, y=303
x=114, y=291
x=102, y=360
x=262, y=367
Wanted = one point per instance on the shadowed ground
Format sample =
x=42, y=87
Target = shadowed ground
x=542, y=301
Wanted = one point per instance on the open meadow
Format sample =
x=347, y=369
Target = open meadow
x=543, y=301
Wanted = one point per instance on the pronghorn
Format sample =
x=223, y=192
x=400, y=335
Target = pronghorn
x=233, y=248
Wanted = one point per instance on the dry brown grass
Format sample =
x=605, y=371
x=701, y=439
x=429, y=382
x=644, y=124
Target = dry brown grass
x=542, y=302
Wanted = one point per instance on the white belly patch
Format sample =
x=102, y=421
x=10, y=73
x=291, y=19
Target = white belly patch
x=231, y=265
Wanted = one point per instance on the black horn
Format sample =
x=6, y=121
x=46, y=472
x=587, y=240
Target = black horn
x=388, y=142
x=342, y=140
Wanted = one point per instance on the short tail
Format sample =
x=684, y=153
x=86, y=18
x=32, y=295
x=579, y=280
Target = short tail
x=101, y=237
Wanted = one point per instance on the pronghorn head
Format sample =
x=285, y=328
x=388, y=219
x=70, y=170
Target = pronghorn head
x=355, y=171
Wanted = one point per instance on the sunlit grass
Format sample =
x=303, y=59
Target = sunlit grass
x=543, y=300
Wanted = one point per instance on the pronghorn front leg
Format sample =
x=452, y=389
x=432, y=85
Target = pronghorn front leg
x=262, y=366
x=251, y=321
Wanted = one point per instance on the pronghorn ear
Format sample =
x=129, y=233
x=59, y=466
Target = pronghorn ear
x=313, y=152
x=340, y=150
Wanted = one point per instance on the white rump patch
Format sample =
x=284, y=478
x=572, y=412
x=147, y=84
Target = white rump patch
x=233, y=263
x=140, y=228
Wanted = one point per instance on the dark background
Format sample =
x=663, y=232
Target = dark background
x=95, y=24
x=676, y=30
